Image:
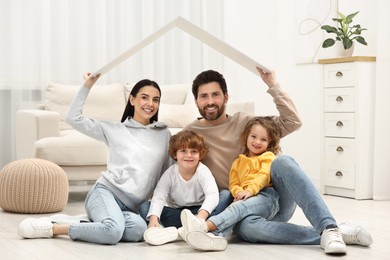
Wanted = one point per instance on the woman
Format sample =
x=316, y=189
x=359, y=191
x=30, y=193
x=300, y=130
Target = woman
x=138, y=155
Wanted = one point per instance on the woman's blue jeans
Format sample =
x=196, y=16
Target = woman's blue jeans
x=111, y=220
x=294, y=188
x=170, y=217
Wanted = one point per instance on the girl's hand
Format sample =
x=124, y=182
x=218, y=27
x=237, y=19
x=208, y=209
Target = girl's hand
x=243, y=195
x=90, y=81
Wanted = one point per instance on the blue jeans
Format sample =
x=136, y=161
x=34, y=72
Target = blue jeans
x=264, y=204
x=170, y=217
x=294, y=188
x=111, y=220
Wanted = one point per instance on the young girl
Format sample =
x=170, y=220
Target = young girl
x=188, y=184
x=249, y=184
x=137, y=157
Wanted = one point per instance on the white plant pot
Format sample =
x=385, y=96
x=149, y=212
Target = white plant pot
x=341, y=52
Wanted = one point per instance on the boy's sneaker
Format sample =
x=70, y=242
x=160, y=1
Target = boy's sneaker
x=35, y=228
x=192, y=223
x=159, y=236
x=354, y=235
x=332, y=241
x=182, y=234
x=206, y=241
x=66, y=219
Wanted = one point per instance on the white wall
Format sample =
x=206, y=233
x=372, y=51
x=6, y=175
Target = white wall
x=268, y=37
x=382, y=106
x=265, y=30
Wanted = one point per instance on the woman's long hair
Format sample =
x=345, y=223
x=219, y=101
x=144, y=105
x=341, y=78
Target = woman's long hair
x=129, y=110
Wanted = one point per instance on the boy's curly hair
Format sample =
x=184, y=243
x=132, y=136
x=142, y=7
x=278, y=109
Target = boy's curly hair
x=187, y=139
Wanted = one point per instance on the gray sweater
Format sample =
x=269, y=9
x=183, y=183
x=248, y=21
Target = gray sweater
x=138, y=154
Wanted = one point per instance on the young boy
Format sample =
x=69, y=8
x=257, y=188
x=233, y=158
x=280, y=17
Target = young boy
x=187, y=184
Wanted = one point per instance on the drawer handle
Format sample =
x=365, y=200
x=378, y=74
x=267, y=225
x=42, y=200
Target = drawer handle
x=339, y=174
x=339, y=123
x=339, y=99
x=339, y=149
x=339, y=74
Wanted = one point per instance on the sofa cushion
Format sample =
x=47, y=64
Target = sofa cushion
x=233, y=107
x=104, y=101
x=71, y=148
x=177, y=116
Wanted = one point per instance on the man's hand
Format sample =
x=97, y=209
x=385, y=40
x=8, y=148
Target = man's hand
x=268, y=78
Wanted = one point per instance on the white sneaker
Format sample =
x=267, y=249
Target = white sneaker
x=182, y=234
x=192, y=223
x=332, y=241
x=66, y=219
x=354, y=235
x=159, y=236
x=206, y=241
x=35, y=228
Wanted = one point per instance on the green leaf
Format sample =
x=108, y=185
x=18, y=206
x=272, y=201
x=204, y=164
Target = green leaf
x=328, y=42
x=329, y=29
x=347, y=43
x=351, y=16
x=341, y=15
x=361, y=40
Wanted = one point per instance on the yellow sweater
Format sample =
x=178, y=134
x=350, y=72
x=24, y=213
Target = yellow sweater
x=250, y=173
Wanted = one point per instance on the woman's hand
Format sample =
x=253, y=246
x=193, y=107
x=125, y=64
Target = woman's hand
x=90, y=81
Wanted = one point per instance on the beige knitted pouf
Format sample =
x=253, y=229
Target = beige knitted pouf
x=33, y=186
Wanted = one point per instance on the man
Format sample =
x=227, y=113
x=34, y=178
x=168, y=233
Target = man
x=222, y=132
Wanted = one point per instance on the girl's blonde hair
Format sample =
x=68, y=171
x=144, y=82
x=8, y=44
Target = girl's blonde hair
x=273, y=131
x=187, y=139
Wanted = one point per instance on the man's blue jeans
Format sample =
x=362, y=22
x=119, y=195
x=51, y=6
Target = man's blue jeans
x=294, y=188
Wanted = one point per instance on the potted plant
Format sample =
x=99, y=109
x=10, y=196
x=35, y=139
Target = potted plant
x=346, y=33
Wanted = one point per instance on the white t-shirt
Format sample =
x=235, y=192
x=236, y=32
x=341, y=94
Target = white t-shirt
x=175, y=192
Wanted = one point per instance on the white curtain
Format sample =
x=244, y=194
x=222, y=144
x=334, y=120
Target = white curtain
x=57, y=41
x=382, y=118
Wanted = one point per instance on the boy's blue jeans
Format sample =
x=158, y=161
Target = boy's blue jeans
x=171, y=216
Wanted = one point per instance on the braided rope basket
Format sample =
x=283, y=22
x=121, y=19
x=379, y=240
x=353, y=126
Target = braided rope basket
x=33, y=186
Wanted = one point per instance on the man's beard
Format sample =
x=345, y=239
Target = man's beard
x=212, y=116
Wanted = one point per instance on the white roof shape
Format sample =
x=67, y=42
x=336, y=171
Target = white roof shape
x=196, y=32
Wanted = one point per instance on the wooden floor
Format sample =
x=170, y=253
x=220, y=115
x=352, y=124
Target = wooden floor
x=373, y=215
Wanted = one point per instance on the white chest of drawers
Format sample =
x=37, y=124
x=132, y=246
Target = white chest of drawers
x=348, y=126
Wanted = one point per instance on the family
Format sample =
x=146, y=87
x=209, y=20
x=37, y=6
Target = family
x=221, y=175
